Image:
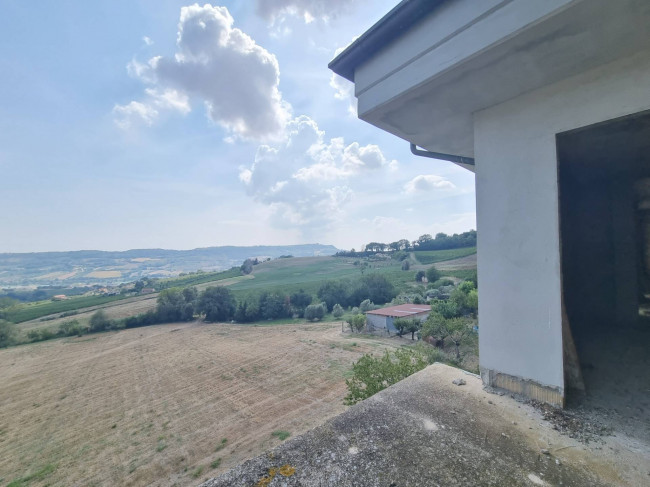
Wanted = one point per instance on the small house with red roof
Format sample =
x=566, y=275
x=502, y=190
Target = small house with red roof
x=384, y=318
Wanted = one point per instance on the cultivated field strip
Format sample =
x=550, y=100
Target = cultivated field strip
x=150, y=405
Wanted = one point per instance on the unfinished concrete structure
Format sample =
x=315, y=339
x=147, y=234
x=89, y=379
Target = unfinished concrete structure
x=549, y=104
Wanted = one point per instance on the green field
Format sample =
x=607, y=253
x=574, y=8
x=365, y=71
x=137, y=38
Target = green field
x=31, y=311
x=432, y=256
x=279, y=275
x=196, y=278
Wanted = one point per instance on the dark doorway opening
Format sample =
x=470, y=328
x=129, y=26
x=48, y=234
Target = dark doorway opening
x=604, y=182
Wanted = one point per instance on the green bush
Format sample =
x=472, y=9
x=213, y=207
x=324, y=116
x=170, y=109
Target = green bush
x=315, y=312
x=71, y=328
x=281, y=434
x=99, y=322
x=217, y=304
x=407, y=325
x=337, y=311
x=372, y=374
x=8, y=334
x=433, y=274
x=357, y=322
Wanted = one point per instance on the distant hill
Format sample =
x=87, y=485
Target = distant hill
x=101, y=267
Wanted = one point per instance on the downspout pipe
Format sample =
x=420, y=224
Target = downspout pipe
x=443, y=157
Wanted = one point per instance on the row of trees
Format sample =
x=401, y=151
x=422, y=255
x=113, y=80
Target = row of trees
x=441, y=241
x=374, y=287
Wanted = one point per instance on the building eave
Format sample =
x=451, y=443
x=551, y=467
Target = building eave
x=392, y=25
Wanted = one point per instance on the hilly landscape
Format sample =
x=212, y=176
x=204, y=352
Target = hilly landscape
x=88, y=267
x=152, y=395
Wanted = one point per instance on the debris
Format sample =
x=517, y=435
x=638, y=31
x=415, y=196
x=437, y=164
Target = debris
x=545, y=451
x=459, y=382
x=573, y=423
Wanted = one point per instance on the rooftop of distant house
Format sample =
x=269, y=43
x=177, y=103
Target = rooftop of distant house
x=402, y=310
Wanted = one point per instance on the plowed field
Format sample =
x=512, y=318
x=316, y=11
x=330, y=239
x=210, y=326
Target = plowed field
x=160, y=405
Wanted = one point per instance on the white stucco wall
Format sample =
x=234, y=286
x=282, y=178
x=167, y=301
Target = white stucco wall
x=517, y=211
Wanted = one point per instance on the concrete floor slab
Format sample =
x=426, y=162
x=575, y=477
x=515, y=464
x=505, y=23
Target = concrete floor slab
x=426, y=431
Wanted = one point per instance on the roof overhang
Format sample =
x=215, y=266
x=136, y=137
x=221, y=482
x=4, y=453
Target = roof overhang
x=424, y=69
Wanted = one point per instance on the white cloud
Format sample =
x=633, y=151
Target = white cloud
x=236, y=78
x=427, y=182
x=308, y=10
x=147, y=40
x=344, y=91
x=135, y=112
x=126, y=116
x=306, y=180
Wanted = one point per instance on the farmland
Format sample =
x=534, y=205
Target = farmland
x=160, y=405
x=283, y=275
x=428, y=257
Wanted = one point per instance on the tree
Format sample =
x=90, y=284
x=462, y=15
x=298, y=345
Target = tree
x=247, y=267
x=433, y=274
x=273, y=306
x=366, y=305
x=8, y=334
x=337, y=310
x=371, y=374
x=357, y=322
x=299, y=301
x=217, y=304
x=332, y=292
x=419, y=276
x=406, y=265
x=170, y=305
x=315, y=312
x=459, y=329
x=448, y=309
x=375, y=287
x=439, y=327
x=70, y=328
x=99, y=321
x=407, y=325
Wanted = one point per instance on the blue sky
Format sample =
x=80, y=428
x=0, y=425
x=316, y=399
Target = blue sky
x=157, y=123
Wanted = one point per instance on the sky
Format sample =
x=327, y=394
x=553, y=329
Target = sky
x=164, y=124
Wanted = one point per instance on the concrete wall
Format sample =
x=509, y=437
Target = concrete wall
x=517, y=212
x=376, y=322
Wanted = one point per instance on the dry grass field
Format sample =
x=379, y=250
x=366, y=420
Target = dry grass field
x=160, y=405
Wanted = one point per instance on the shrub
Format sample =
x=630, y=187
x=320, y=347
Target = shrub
x=434, y=354
x=407, y=325
x=41, y=335
x=99, y=322
x=281, y=434
x=315, y=312
x=406, y=265
x=441, y=282
x=366, y=305
x=217, y=304
x=143, y=319
x=433, y=274
x=357, y=322
x=8, y=334
x=71, y=328
x=337, y=311
x=372, y=374
x=419, y=276
x=448, y=309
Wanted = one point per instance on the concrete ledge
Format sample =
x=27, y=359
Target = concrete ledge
x=524, y=387
x=426, y=431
